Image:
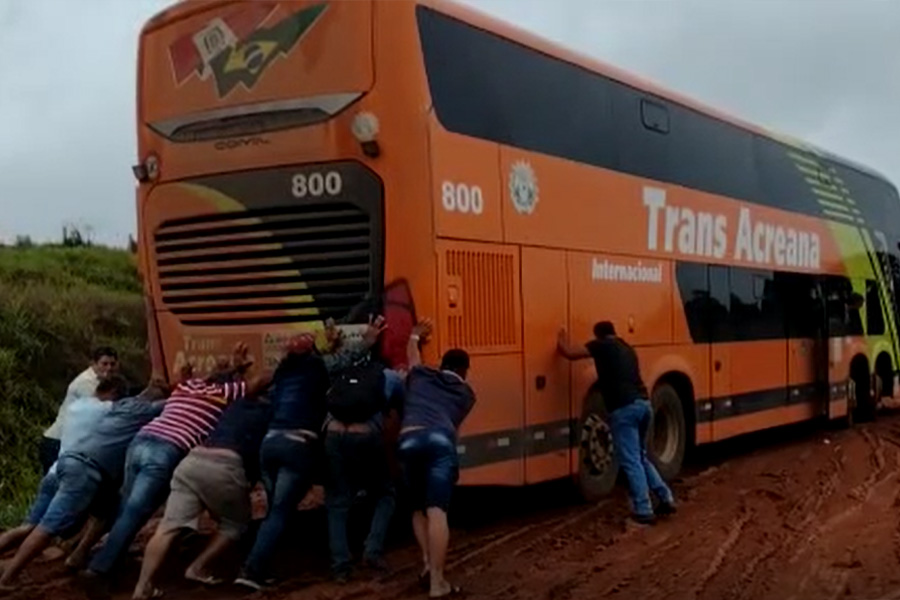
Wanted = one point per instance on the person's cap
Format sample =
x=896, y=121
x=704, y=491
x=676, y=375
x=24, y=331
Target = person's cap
x=300, y=344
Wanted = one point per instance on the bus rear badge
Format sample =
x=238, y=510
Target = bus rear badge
x=523, y=188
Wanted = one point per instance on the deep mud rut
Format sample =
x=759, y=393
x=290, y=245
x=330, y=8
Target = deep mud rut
x=801, y=513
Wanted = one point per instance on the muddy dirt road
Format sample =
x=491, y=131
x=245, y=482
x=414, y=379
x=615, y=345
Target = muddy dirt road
x=802, y=513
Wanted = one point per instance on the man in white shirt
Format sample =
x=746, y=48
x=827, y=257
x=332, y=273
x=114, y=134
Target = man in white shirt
x=105, y=362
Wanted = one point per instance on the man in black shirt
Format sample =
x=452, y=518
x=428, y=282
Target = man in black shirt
x=625, y=396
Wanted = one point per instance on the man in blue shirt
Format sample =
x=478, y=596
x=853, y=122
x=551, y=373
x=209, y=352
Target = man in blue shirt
x=437, y=402
x=85, y=472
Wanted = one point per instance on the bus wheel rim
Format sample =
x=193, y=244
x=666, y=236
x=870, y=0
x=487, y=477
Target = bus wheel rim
x=596, y=439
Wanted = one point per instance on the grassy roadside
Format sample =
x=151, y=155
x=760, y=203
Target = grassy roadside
x=56, y=304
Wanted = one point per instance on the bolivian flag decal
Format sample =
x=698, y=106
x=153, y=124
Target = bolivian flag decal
x=235, y=48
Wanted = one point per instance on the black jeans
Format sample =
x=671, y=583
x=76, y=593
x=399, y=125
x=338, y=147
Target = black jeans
x=357, y=462
x=48, y=453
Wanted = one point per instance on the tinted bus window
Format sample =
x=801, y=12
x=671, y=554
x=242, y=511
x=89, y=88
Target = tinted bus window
x=720, y=303
x=492, y=88
x=694, y=289
x=488, y=87
x=843, y=318
x=802, y=309
x=756, y=313
x=874, y=314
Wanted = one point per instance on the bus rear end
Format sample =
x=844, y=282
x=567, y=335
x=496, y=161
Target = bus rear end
x=271, y=165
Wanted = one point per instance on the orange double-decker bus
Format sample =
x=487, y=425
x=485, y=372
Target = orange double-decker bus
x=306, y=160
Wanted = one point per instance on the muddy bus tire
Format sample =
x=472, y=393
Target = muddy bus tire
x=667, y=438
x=597, y=465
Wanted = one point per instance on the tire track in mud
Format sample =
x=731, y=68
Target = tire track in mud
x=831, y=577
x=734, y=534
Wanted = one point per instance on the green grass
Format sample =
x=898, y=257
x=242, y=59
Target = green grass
x=56, y=305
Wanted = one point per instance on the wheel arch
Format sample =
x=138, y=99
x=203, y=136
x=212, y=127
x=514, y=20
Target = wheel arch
x=684, y=387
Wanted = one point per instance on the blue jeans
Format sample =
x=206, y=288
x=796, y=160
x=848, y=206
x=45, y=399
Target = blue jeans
x=65, y=498
x=629, y=426
x=148, y=471
x=357, y=461
x=430, y=468
x=287, y=472
x=46, y=493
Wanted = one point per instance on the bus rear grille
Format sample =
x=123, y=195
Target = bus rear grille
x=267, y=266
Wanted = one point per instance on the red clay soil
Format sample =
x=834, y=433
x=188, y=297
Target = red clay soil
x=802, y=513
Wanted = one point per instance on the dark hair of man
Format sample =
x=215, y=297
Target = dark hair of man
x=604, y=329
x=115, y=386
x=456, y=360
x=102, y=351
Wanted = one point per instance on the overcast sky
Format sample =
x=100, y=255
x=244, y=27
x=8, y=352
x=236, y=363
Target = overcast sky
x=827, y=71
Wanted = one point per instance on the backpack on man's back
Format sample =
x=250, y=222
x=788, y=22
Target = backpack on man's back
x=357, y=393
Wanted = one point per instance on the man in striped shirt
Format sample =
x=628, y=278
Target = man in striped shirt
x=189, y=416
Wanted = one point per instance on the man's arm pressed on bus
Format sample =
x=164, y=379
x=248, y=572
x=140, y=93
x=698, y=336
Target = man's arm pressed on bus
x=419, y=335
x=564, y=348
x=342, y=356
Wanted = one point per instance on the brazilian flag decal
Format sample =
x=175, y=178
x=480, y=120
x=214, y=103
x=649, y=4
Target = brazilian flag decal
x=245, y=62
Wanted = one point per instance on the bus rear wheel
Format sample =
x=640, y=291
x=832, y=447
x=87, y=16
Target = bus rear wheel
x=597, y=465
x=667, y=439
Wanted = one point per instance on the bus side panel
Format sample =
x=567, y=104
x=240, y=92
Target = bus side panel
x=759, y=376
x=465, y=186
x=491, y=440
x=608, y=287
x=545, y=306
x=480, y=310
x=635, y=294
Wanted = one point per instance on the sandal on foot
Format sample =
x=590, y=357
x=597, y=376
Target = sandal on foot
x=454, y=591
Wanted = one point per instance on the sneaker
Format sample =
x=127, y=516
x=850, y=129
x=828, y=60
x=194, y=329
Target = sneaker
x=666, y=508
x=644, y=519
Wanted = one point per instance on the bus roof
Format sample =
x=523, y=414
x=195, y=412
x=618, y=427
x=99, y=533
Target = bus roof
x=484, y=21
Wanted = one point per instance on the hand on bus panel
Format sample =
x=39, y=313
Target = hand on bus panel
x=333, y=336
x=423, y=329
x=186, y=373
x=240, y=358
x=377, y=326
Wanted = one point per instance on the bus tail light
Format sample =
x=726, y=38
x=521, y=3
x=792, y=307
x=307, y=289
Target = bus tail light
x=146, y=171
x=365, y=129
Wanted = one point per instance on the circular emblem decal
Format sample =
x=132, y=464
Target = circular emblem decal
x=523, y=188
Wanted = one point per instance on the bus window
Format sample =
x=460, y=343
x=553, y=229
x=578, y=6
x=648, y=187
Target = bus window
x=694, y=291
x=799, y=295
x=719, y=301
x=755, y=311
x=874, y=315
x=843, y=310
